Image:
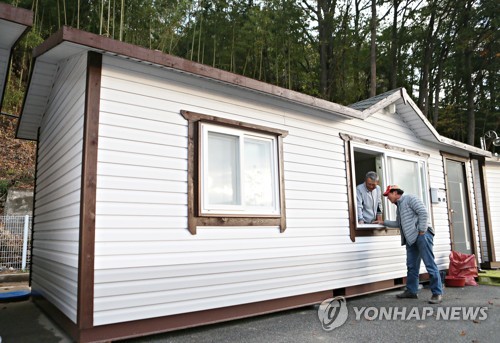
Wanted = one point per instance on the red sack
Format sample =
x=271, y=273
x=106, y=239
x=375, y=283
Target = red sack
x=463, y=265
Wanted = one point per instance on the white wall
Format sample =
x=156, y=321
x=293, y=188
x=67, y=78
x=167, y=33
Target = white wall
x=147, y=264
x=481, y=234
x=475, y=220
x=493, y=180
x=57, y=197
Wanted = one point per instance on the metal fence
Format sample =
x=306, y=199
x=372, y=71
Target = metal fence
x=15, y=242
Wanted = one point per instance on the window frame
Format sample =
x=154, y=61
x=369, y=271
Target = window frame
x=197, y=217
x=387, y=151
x=208, y=209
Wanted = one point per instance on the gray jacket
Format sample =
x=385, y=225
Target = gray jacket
x=411, y=218
x=369, y=204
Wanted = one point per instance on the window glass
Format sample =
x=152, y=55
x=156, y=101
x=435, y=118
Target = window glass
x=239, y=172
x=423, y=183
x=223, y=169
x=405, y=174
x=258, y=173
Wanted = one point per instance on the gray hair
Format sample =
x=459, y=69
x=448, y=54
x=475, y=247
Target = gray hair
x=371, y=175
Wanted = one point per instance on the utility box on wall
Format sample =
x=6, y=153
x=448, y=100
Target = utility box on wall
x=438, y=196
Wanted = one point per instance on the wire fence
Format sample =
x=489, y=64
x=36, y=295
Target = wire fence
x=15, y=242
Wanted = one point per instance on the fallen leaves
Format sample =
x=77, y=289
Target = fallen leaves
x=17, y=157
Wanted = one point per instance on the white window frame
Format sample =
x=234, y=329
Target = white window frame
x=238, y=210
x=386, y=179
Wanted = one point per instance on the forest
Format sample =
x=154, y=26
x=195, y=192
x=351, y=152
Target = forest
x=444, y=52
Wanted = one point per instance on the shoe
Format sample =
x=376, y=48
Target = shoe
x=436, y=299
x=407, y=294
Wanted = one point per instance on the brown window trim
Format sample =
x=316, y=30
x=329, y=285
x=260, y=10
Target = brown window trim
x=353, y=223
x=195, y=218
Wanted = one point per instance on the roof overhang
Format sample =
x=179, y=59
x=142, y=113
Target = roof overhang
x=409, y=112
x=424, y=129
x=69, y=41
x=14, y=23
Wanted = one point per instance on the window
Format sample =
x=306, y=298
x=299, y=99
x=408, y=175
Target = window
x=239, y=172
x=409, y=174
x=235, y=173
x=404, y=167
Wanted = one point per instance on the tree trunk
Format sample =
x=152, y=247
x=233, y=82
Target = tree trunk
x=323, y=53
x=200, y=39
x=466, y=44
x=108, y=32
x=393, y=58
x=437, y=90
x=101, y=17
x=357, y=45
x=122, y=19
x=373, y=51
x=423, y=92
x=114, y=19
x=471, y=120
x=215, y=49
x=192, y=41
x=325, y=13
x=78, y=15
x=64, y=11
x=58, y=15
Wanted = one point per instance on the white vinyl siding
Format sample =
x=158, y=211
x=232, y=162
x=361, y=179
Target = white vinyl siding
x=475, y=220
x=493, y=182
x=482, y=242
x=57, y=197
x=147, y=264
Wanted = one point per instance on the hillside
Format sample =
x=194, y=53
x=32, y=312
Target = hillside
x=17, y=159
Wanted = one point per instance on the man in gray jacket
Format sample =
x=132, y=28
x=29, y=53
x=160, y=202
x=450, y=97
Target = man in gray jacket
x=412, y=219
x=369, y=200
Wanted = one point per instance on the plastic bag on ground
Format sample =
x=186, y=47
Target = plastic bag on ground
x=463, y=265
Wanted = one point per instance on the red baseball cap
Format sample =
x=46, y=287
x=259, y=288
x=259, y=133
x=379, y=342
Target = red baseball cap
x=391, y=188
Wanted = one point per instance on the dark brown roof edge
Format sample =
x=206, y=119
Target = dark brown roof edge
x=105, y=44
x=19, y=16
x=16, y=15
x=51, y=42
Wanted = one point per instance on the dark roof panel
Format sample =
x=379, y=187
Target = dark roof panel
x=367, y=103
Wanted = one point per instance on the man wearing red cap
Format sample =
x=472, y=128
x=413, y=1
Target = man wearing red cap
x=412, y=219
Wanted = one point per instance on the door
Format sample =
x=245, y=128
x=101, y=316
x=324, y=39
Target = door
x=458, y=206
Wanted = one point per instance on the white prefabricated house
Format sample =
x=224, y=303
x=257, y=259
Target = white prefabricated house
x=489, y=210
x=171, y=194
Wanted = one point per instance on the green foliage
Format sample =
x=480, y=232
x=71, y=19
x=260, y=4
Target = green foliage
x=4, y=187
x=278, y=41
x=13, y=96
